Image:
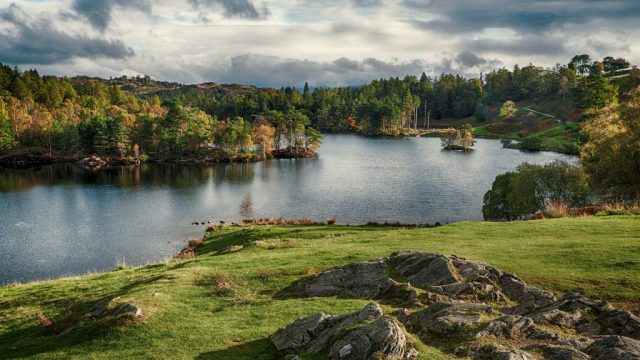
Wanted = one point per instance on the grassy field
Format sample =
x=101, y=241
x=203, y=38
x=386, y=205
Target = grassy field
x=222, y=307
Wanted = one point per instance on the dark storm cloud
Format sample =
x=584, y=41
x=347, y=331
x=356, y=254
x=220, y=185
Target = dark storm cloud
x=37, y=41
x=469, y=59
x=233, y=8
x=273, y=71
x=522, y=16
x=98, y=12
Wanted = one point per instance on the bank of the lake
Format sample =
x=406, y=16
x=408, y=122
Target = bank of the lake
x=63, y=219
x=223, y=306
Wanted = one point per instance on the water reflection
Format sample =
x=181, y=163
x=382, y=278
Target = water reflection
x=174, y=176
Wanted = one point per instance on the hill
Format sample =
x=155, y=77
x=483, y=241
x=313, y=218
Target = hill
x=223, y=305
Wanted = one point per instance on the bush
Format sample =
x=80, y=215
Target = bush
x=531, y=143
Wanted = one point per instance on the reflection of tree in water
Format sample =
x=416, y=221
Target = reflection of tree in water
x=170, y=175
x=234, y=172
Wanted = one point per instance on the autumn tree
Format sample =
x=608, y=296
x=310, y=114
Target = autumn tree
x=508, y=109
x=611, y=155
x=263, y=135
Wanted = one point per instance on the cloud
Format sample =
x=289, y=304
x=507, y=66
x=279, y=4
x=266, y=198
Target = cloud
x=532, y=44
x=38, y=41
x=469, y=59
x=530, y=16
x=98, y=12
x=366, y=3
x=233, y=8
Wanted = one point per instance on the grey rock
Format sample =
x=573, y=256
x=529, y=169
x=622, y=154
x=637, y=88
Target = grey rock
x=443, y=318
x=614, y=348
x=475, y=271
x=551, y=352
x=539, y=334
x=129, y=309
x=497, y=352
x=425, y=270
x=557, y=317
x=589, y=329
x=576, y=302
x=621, y=322
x=529, y=297
x=508, y=326
x=299, y=333
x=383, y=335
x=365, y=280
x=110, y=306
x=352, y=336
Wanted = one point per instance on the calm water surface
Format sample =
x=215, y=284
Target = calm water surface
x=59, y=220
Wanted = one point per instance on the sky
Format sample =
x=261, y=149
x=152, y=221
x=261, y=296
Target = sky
x=326, y=43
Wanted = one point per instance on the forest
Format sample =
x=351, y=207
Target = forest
x=148, y=119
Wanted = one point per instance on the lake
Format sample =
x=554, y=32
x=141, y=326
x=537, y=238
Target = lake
x=61, y=219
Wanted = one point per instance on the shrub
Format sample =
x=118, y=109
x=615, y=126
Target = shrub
x=531, y=143
x=556, y=209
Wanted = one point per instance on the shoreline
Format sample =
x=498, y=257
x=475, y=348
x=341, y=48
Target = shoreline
x=32, y=159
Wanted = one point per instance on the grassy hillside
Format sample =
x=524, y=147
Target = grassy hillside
x=549, y=120
x=222, y=306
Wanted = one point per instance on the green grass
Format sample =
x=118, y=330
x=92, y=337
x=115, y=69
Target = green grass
x=186, y=315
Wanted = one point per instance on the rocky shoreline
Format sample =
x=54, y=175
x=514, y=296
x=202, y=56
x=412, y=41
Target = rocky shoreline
x=464, y=307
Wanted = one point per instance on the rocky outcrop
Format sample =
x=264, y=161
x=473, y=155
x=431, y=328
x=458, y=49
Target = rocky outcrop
x=353, y=336
x=614, y=348
x=458, y=302
x=366, y=280
x=443, y=318
x=93, y=162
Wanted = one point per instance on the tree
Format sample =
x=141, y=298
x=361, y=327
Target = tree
x=6, y=134
x=508, y=109
x=496, y=204
x=611, y=155
x=594, y=92
x=481, y=112
x=582, y=63
x=313, y=139
x=263, y=135
x=611, y=65
x=516, y=195
x=120, y=141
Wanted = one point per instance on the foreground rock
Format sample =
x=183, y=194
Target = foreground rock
x=358, y=335
x=444, y=318
x=614, y=348
x=461, y=305
x=365, y=280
